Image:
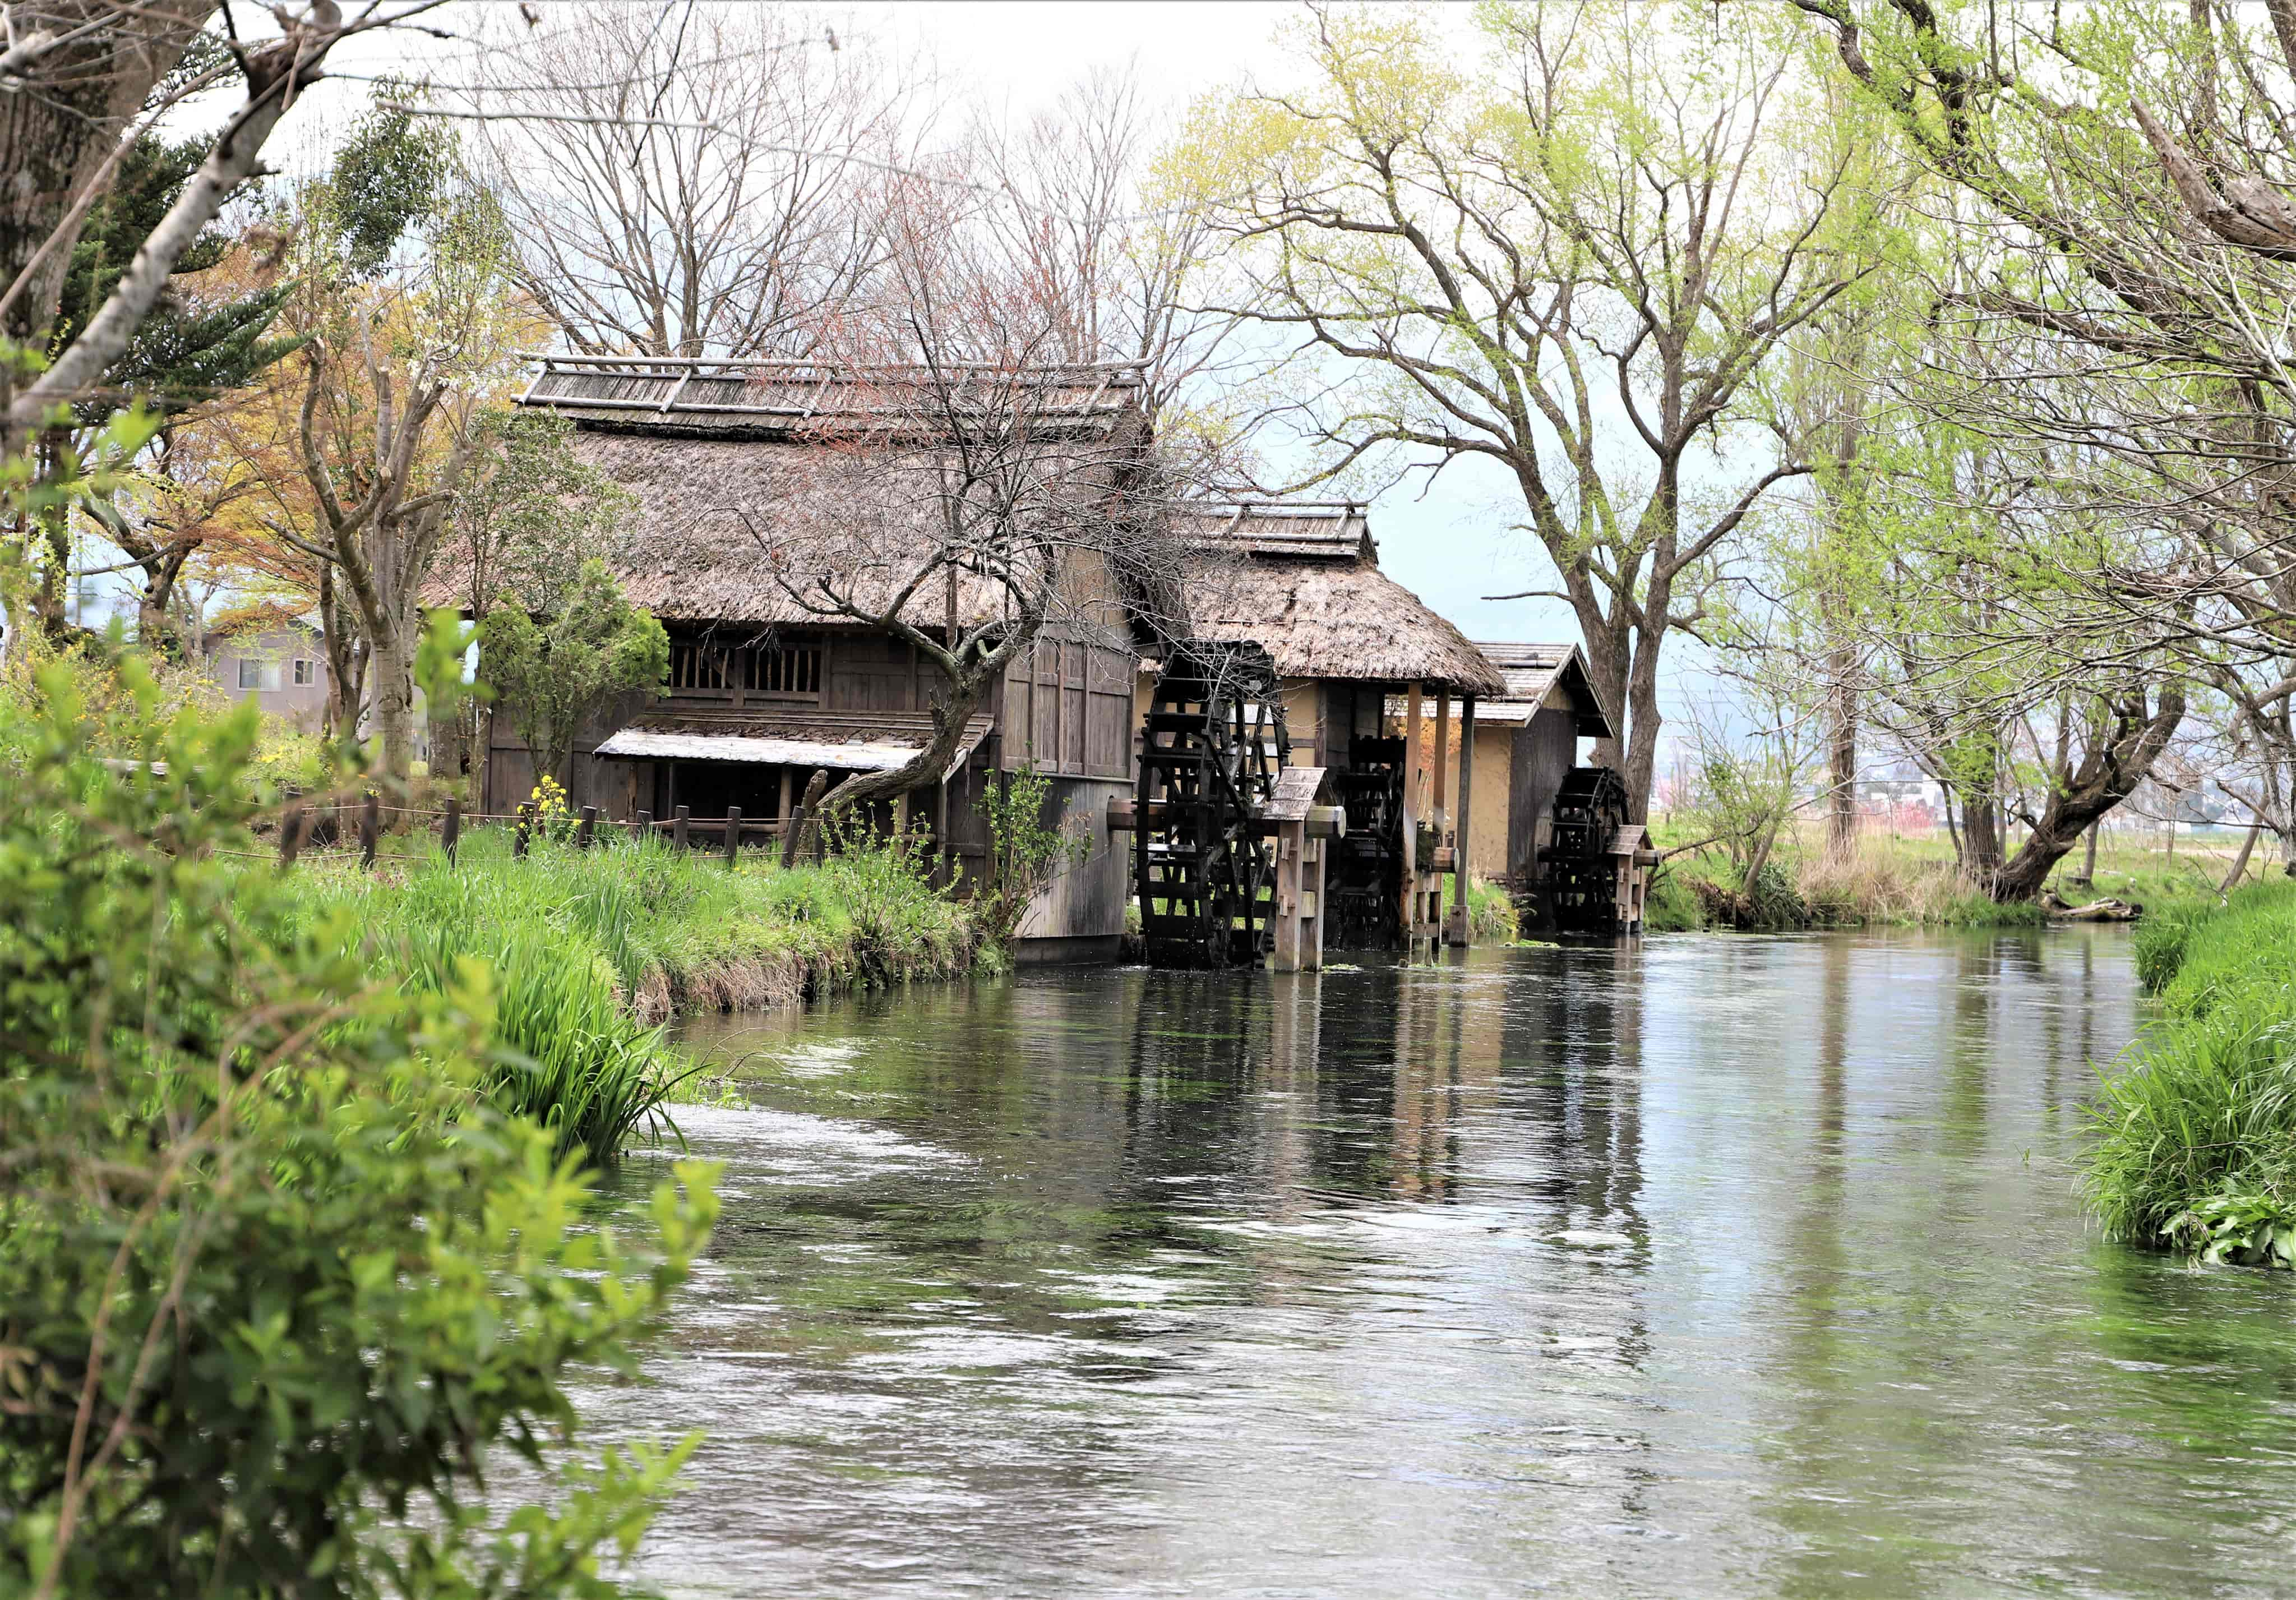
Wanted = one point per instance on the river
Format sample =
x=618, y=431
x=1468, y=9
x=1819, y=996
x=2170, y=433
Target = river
x=1718, y=1266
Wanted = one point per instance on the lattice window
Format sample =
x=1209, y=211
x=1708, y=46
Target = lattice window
x=696, y=667
x=793, y=669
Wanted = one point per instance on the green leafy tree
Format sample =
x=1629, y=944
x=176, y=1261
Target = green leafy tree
x=552, y=675
x=276, y=1280
x=1572, y=260
x=530, y=513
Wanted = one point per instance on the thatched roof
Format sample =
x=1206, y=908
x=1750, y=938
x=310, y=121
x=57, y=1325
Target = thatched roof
x=752, y=398
x=1533, y=672
x=1304, y=581
x=714, y=512
x=758, y=477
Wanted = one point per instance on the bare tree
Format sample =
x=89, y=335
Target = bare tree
x=684, y=180
x=975, y=490
x=1572, y=263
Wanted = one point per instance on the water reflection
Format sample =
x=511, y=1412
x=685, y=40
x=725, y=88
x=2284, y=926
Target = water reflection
x=1716, y=1267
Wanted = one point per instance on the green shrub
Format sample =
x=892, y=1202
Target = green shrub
x=274, y=1277
x=1491, y=914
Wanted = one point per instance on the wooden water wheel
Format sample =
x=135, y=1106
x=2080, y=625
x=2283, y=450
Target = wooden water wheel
x=1216, y=741
x=1366, y=874
x=1580, y=875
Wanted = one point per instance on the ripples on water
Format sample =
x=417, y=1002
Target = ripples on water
x=1717, y=1266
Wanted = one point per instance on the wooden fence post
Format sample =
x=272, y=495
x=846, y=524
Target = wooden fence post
x=370, y=825
x=589, y=826
x=678, y=827
x=525, y=826
x=733, y=833
x=450, y=830
x=644, y=830
x=290, y=835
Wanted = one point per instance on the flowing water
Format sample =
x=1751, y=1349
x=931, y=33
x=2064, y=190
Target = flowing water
x=1716, y=1267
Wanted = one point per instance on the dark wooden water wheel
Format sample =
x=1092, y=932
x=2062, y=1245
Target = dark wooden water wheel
x=1365, y=878
x=1216, y=741
x=1581, y=877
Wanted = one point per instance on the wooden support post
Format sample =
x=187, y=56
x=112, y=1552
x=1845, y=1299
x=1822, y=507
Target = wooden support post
x=450, y=828
x=1414, y=772
x=290, y=835
x=645, y=825
x=587, y=829
x=678, y=819
x=1291, y=862
x=1442, y=762
x=1461, y=934
x=524, y=833
x=370, y=827
x=732, y=834
x=1311, y=890
x=789, y=787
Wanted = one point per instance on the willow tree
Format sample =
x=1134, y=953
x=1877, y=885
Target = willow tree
x=2123, y=201
x=1573, y=259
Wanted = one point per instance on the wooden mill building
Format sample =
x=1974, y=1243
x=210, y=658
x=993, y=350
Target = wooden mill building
x=1304, y=582
x=1525, y=741
x=765, y=691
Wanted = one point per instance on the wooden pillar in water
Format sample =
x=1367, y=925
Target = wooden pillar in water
x=1436, y=813
x=1413, y=771
x=1460, y=933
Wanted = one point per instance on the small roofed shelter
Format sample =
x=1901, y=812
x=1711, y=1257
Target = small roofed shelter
x=764, y=543
x=1526, y=742
x=1303, y=581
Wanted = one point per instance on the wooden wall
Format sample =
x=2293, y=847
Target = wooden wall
x=1545, y=749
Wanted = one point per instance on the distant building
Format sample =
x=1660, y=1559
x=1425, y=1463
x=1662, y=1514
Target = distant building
x=278, y=662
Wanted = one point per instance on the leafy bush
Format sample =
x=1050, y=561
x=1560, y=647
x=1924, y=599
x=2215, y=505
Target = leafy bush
x=1025, y=852
x=1491, y=912
x=275, y=1278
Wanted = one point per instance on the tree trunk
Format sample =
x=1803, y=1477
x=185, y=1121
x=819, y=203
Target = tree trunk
x=1981, y=841
x=1841, y=762
x=2240, y=862
x=450, y=742
x=2088, y=862
x=393, y=668
x=2108, y=774
x=59, y=122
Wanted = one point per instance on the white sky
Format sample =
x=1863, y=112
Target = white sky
x=1452, y=544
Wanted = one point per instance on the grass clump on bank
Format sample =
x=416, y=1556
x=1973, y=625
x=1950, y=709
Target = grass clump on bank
x=1892, y=882
x=592, y=950
x=2197, y=1130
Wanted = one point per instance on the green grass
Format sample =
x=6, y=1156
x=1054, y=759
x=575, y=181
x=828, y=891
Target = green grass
x=1908, y=881
x=2196, y=1146
x=593, y=951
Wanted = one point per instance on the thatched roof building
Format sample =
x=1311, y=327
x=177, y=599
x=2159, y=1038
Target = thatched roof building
x=1305, y=582
x=1539, y=676
x=760, y=477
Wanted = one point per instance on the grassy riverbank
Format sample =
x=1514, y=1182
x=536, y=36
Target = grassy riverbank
x=592, y=951
x=2197, y=1145
x=1905, y=880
